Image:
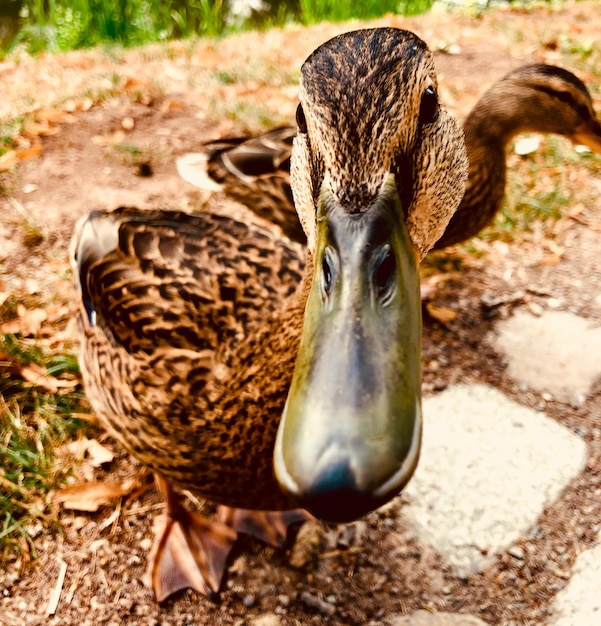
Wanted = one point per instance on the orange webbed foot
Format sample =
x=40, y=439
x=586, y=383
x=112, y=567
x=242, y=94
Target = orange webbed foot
x=270, y=527
x=189, y=552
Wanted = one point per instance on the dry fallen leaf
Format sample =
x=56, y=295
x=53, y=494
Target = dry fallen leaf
x=27, y=323
x=441, y=314
x=39, y=377
x=551, y=259
x=91, y=496
x=134, y=84
x=140, y=90
x=40, y=129
x=173, y=105
x=30, y=152
x=34, y=374
x=109, y=140
x=8, y=160
x=429, y=285
x=585, y=221
x=553, y=247
x=54, y=116
x=97, y=453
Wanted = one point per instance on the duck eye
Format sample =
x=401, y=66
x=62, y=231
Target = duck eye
x=300, y=119
x=428, y=110
x=383, y=276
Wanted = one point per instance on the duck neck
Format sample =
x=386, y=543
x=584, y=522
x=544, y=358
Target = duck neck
x=522, y=103
x=503, y=112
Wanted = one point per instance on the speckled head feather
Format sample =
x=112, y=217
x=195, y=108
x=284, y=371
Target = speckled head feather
x=362, y=97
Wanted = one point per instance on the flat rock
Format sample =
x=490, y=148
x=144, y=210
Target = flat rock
x=269, y=619
x=488, y=468
x=556, y=352
x=580, y=601
x=425, y=618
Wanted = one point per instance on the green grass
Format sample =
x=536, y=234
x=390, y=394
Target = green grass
x=58, y=25
x=313, y=11
x=55, y=25
x=9, y=129
x=34, y=423
x=539, y=189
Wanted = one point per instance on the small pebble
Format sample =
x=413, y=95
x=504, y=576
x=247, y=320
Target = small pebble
x=554, y=303
x=347, y=537
x=249, y=600
x=517, y=552
x=313, y=602
x=269, y=619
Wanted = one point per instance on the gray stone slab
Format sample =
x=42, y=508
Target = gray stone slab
x=579, y=603
x=426, y=618
x=488, y=468
x=557, y=352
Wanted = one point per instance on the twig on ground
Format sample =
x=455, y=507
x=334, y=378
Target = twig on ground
x=56, y=592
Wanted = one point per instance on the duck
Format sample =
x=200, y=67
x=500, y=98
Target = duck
x=275, y=379
x=534, y=98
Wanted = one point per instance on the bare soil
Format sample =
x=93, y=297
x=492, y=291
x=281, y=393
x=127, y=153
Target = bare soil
x=129, y=116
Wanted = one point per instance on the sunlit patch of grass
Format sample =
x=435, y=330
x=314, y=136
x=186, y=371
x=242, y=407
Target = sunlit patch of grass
x=537, y=192
x=256, y=71
x=541, y=189
x=246, y=113
x=35, y=420
x=58, y=26
x=132, y=154
x=9, y=129
x=313, y=11
x=138, y=157
x=579, y=54
x=226, y=77
x=583, y=48
x=520, y=212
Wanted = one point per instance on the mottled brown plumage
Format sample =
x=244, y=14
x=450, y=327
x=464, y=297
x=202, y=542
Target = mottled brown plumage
x=191, y=325
x=181, y=306
x=533, y=98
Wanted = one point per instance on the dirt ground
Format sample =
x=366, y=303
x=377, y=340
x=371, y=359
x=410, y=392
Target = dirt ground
x=109, y=128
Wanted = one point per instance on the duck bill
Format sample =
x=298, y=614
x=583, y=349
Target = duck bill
x=350, y=434
x=588, y=134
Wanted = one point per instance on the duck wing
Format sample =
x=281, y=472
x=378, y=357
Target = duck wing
x=254, y=171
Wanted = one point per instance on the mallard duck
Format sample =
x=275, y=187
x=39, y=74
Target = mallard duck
x=533, y=98
x=264, y=381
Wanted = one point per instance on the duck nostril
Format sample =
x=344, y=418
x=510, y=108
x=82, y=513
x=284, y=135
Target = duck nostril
x=384, y=274
x=328, y=270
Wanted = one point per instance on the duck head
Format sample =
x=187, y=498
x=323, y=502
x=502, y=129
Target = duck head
x=378, y=167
